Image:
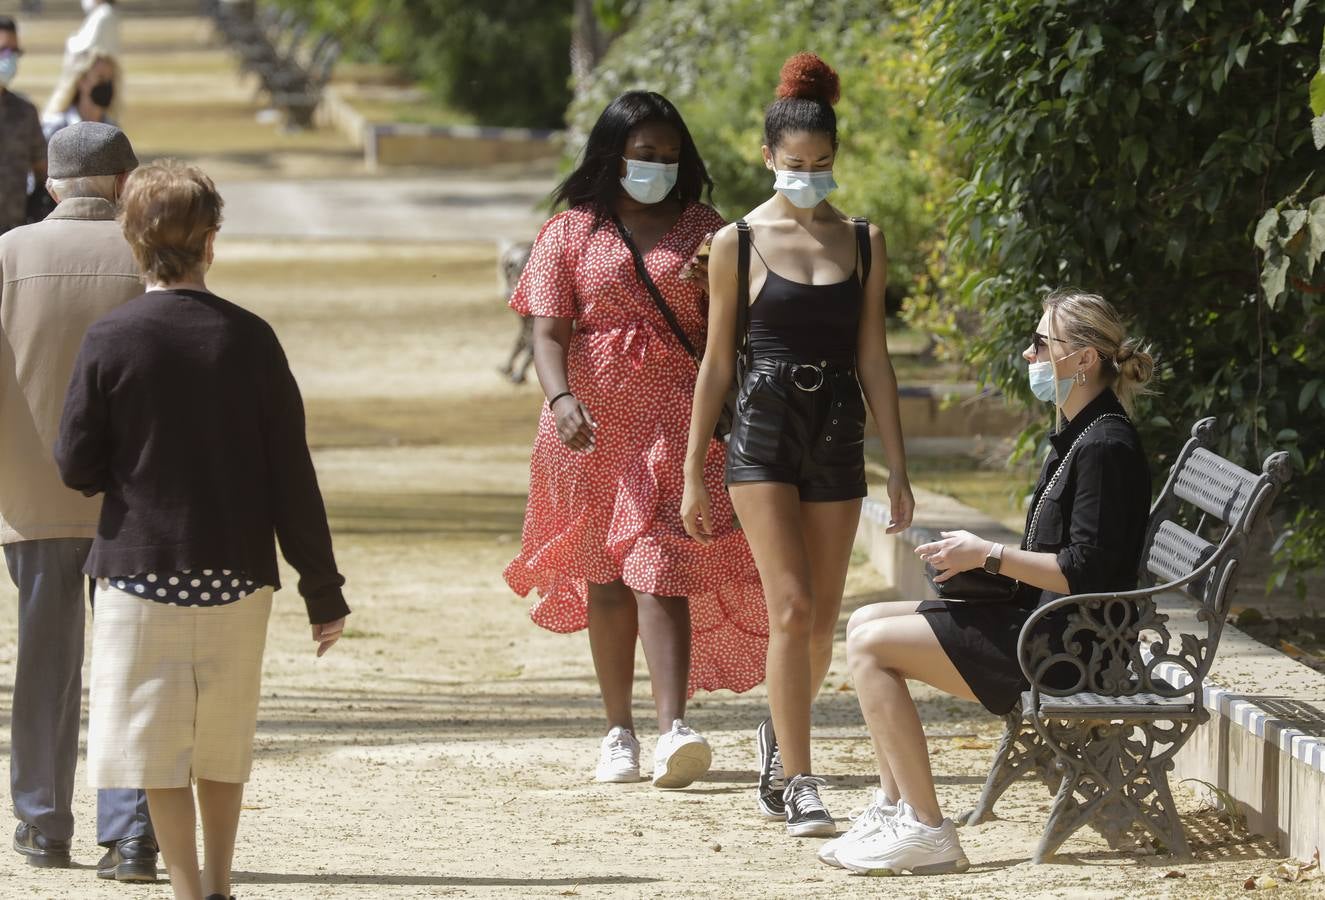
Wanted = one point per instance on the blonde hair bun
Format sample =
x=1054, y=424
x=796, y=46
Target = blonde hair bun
x=1135, y=363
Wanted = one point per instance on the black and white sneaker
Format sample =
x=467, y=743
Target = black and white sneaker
x=771, y=780
x=806, y=815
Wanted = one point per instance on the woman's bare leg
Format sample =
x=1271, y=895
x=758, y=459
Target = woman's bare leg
x=886, y=610
x=830, y=534
x=870, y=613
x=770, y=514
x=176, y=835
x=613, y=628
x=664, y=630
x=883, y=653
x=219, y=803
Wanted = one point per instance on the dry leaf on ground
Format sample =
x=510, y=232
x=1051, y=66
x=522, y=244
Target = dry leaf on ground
x=1295, y=870
x=974, y=745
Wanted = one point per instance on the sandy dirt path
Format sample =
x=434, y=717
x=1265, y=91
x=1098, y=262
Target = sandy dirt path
x=446, y=747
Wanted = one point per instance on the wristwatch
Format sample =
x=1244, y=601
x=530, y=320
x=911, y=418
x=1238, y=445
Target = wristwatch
x=994, y=561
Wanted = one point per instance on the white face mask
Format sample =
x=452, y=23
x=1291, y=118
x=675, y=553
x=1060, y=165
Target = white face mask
x=804, y=189
x=8, y=68
x=649, y=182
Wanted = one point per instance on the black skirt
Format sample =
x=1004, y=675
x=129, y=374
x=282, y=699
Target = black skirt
x=981, y=641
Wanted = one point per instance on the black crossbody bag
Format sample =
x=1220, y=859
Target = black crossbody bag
x=724, y=427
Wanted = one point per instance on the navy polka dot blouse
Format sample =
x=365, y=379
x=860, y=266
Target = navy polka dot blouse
x=201, y=587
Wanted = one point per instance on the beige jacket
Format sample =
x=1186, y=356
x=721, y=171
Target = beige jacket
x=57, y=277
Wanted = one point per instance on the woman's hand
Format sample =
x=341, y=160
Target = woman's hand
x=327, y=634
x=958, y=551
x=575, y=426
x=901, y=504
x=695, y=514
x=697, y=269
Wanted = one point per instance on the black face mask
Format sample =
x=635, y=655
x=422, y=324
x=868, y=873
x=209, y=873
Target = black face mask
x=102, y=94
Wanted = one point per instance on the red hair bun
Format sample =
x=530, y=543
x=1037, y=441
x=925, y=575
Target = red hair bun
x=807, y=76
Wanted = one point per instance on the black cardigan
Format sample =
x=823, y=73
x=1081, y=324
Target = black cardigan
x=183, y=411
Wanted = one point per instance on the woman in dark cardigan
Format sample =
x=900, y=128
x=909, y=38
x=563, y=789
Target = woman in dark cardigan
x=182, y=411
x=1085, y=537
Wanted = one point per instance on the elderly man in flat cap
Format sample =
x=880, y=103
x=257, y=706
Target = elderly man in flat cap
x=57, y=277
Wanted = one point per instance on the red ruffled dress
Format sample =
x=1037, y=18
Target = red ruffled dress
x=615, y=512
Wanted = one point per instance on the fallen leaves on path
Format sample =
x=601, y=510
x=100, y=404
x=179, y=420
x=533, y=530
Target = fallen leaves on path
x=1289, y=871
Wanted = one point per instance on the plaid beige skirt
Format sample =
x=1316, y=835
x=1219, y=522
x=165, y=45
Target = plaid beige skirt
x=174, y=690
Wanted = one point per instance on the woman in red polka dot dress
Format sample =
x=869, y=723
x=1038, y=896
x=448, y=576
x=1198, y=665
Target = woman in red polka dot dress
x=603, y=542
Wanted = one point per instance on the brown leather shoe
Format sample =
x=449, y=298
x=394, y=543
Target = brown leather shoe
x=40, y=850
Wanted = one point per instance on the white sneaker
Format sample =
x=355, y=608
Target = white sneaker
x=870, y=822
x=618, y=760
x=681, y=757
x=906, y=845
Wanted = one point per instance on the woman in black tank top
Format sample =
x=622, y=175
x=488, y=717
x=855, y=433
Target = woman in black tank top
x=811, y=283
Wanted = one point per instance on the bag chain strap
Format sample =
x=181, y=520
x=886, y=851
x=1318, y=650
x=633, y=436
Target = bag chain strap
x=1053, y=480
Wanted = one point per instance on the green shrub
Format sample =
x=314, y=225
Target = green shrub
x=1130, y=148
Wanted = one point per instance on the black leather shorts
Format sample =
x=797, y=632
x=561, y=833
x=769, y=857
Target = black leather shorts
x=801, y=425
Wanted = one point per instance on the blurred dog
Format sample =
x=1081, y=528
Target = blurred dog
x=511, y=261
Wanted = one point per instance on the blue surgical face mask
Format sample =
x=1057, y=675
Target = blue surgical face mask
x=649, y=182
x=1043, y=383
x=804, y=189
x=8, y=67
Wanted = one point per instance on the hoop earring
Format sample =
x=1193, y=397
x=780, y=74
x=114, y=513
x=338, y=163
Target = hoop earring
x=1080, y=378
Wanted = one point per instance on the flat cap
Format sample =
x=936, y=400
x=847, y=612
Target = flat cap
x=85, y=149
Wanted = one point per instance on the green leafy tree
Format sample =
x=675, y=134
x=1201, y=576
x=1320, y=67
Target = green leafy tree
x=506, y=62
x=1130, y=148
x=1291, y=238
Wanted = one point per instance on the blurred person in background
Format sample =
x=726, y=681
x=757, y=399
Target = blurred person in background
x=22, y=144
x=100, y=32
x=99, y=35
x=88, y=97
x=59, y=276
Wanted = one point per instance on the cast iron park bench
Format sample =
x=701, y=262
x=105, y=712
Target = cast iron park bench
x=297, y=86
x=1107, y=744
x=292, y=63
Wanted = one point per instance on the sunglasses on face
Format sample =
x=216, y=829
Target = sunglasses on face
x=1040, y=341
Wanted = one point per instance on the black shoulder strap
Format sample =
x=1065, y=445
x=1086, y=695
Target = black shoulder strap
x=863, y=244
x=658, y=300
x=743, y=242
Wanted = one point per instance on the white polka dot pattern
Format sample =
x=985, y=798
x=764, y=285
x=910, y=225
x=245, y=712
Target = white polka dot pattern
x=615, y=513
x=191, y=591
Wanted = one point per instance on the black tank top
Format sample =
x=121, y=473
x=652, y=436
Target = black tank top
x=809, y=322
